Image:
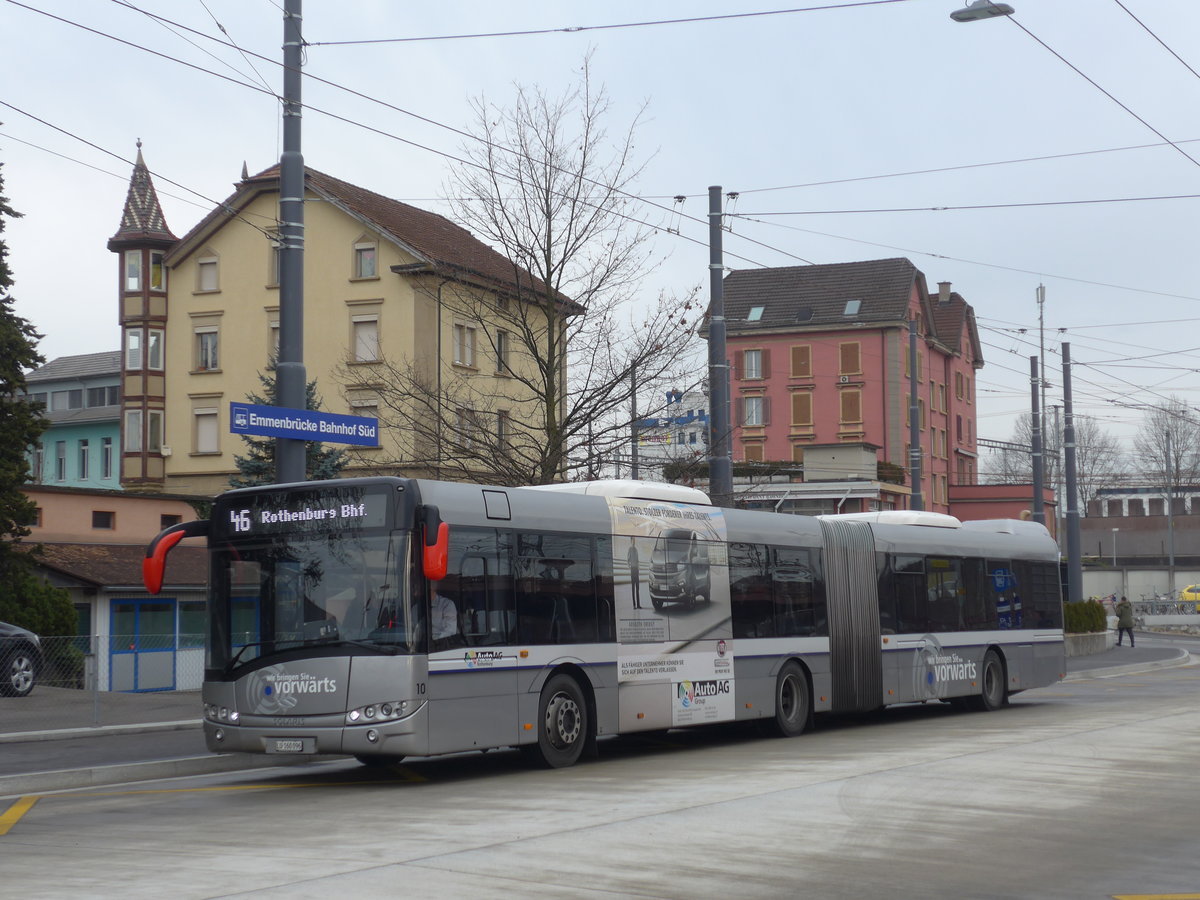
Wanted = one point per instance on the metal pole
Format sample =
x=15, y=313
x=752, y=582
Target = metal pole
x=1035, y=421
x=1074, y=553
x=917, y=500
x=720, y=462
x=1170, y=520
x=290, y=375
x=633, y=427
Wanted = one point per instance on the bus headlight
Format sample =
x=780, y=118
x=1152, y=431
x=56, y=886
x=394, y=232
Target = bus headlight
x=381, y=712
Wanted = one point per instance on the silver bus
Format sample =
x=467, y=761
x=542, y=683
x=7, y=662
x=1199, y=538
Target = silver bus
x=388, y=617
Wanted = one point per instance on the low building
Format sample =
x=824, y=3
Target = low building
x=92, y=542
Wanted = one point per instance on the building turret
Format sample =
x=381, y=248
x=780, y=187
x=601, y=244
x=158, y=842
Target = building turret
x=141, y=243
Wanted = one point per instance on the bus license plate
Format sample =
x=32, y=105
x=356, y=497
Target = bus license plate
x=287, y=745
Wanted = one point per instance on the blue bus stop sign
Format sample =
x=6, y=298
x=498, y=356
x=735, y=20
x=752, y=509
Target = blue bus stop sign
x=302, y=424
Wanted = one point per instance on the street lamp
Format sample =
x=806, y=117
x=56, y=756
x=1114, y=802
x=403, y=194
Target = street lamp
x=981, y=9
x=1114, y=531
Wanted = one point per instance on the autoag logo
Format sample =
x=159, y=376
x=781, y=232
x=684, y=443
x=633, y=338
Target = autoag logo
x=693, y=693
x=482, y=659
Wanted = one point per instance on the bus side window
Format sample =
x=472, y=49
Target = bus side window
x=912, y=603
x=796, y=602
x=562, y=595
x=750, y=591
x=979, y=613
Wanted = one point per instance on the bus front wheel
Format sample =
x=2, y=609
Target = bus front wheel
x=793, y=705
x=562, y=722
x=993, y=692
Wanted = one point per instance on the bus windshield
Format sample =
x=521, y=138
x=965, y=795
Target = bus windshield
x=308, y=589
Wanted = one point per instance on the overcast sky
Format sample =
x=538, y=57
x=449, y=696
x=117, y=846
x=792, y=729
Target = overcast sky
x=866, y=123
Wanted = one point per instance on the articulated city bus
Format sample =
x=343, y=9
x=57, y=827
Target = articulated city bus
x=390, y=617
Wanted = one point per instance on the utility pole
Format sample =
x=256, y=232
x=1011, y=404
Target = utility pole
x=1035, y=422
x=720, y=461
x=290, y=375
x=1074, y=553
x=1170, y=519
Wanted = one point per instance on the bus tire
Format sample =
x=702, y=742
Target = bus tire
x=993, y=687
x=562, y=723
x=793, y=702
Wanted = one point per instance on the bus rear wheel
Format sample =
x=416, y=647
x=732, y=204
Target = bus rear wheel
x=562, y=723
x=993, y=691
x=793, y=704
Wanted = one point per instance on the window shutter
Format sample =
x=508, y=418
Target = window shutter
x=851, y=406
x=802, y=408
x=849, y=359
x=802, y=361
x=766, y=362
x=738, y=368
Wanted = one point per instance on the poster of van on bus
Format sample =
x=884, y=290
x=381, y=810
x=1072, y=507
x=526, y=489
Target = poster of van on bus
x=671, y=573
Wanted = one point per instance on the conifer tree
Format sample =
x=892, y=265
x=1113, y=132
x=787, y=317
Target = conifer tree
x=25, y=599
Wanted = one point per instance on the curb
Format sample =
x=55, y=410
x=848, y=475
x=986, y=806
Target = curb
x=1183, y=659
x=122, y=773
x=64, y=734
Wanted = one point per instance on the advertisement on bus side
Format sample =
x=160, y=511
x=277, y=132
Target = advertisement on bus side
x=674, y=624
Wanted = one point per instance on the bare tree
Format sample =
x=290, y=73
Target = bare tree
x=1167, y=446
x=1099, y=460
x=569, y=337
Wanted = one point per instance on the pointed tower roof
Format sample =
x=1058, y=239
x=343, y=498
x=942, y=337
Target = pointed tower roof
x=142, y=222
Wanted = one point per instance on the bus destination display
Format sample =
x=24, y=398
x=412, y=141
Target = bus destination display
x=352, y=509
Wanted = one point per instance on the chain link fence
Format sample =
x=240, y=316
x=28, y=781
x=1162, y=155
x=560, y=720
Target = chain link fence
x=81, y=681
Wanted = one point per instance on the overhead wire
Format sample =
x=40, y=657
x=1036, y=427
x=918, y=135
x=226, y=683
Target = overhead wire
x=379, y=131
x=466, y=134
x=450, y=156
x=1101, y=89
x=575, y=29
x=118, y=156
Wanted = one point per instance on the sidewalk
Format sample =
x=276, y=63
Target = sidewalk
x=1124, y=660
x=51, y=713
x=113, y=738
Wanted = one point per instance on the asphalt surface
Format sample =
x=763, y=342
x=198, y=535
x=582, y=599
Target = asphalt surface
x=56, y=739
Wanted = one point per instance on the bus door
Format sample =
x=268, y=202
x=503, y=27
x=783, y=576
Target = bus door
x=472, y=686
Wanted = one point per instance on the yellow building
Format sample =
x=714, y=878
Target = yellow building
x=389, y=290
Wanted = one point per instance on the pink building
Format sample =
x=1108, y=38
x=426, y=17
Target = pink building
x=820, y=355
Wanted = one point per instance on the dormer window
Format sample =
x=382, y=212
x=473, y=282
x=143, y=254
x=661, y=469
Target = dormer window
x=364, y=260
x=755, y=313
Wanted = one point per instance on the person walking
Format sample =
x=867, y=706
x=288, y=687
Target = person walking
x=1124, y=621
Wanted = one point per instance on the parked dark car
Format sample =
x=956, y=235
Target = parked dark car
x=20, y=660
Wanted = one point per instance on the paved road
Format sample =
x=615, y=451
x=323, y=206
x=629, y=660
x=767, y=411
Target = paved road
x=1081, y=790
x=58, y=739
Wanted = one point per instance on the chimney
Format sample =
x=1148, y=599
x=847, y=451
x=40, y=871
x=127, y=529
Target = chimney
x=943, y=293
